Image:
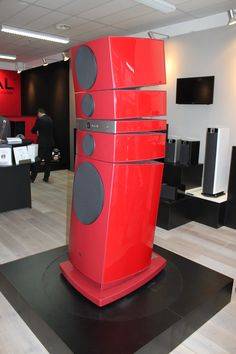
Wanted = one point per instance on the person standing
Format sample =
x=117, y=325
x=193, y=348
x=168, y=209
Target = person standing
x=44, y=128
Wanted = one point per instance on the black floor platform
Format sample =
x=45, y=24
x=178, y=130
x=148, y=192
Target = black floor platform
x=154, y=319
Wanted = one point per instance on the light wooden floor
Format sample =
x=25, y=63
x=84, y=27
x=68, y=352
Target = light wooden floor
x=45, y=226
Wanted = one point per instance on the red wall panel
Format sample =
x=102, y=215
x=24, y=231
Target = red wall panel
x=10, y=93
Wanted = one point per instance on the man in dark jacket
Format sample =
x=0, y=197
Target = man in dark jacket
x=44, y=128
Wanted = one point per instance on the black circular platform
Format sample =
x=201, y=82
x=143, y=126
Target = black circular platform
x=166, y=286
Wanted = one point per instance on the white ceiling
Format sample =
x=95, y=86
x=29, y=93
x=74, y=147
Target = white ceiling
x=90, y=19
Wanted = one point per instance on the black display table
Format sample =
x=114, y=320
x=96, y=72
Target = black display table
x=173, y=213
x=15, y=191
x=193, y=207
x=154, y=319
x=209, y=211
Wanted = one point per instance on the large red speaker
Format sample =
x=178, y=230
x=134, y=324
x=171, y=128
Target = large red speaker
x=118, y=62
x=117, y=176
x=120, y=104
x=114, y=214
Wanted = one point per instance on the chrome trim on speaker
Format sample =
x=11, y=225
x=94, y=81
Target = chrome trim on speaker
x=93, y=125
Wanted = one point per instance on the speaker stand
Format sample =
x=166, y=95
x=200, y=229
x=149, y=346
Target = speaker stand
x=216, y=195
x=103, y=296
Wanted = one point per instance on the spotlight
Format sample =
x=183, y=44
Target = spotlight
x=45, y=63
x=19, y=67
x=232, y=17
x=65, y=57
x=157, y=35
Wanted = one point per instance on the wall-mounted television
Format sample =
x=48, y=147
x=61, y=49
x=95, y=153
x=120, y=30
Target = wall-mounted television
x=195, y=90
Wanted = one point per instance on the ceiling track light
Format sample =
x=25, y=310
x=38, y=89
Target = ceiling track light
x=19, y=67
x=160, y=5
x=7, y=56
x=232, y=17
x=33, y=34
x=157, y=35
x=45, y=62
x=65, y=57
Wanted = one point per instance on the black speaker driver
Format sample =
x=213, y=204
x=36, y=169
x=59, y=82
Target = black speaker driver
x=88, y=144
x=88, y=194
x=88, y=105
x=86, y=67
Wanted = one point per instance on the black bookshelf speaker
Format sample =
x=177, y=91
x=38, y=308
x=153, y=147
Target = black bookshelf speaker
x=168, y=192
x=230, y=213
x=189, y=152
x=172, y=150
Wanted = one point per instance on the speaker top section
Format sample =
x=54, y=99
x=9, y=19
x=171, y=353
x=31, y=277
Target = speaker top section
x=121, y=126
x=190, y=142
x=120, y=104
x=118, y=62
x=172, y=140
x=212, y=130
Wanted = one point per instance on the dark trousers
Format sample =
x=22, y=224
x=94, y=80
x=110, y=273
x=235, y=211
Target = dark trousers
x=45, y=155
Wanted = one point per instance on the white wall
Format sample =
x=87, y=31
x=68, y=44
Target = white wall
x=211, y=52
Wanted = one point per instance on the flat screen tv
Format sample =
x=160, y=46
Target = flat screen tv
x=195, y=90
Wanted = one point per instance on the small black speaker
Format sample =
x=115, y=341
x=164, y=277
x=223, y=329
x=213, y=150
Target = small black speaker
x=189, y=152
x=172, y=150
x=168, y=192
x=230, y=213
x=17, y=128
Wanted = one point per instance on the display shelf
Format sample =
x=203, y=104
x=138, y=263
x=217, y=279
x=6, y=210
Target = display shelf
x=207, y=210
x=15, y=187
x=173, y=213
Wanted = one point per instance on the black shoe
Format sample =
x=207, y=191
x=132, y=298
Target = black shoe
x=45, y=180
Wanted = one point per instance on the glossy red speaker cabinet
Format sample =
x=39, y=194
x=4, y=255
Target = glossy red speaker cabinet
x=118, y=62
x=122, y=147
x=120, y=104
x=112, y=228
